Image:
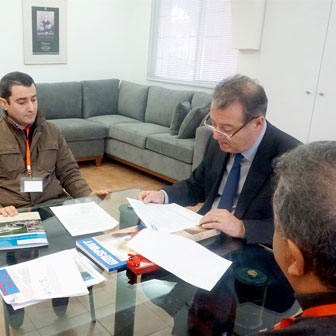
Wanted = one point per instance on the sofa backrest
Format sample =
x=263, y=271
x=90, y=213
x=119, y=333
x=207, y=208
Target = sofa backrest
x=100, y=97
x=60, y=100
x=162, y=102
x=132, y=100
x=200, y=99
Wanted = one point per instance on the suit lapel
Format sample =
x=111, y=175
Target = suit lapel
x=259, y=171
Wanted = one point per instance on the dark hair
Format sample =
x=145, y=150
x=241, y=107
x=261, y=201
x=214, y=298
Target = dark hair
x=13, y=78
x=243, y=90
x=305, y=205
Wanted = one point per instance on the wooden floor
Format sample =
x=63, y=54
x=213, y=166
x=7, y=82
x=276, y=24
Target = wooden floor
x=117, y=176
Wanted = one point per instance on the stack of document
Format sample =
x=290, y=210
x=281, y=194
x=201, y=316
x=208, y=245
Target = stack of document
x=165, y=217
x=62, y=274
x=177, y=254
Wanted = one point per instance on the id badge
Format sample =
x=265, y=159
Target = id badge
x=31, y=184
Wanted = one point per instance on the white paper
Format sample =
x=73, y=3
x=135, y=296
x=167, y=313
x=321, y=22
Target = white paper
x=89, y=275
x=165, y=217
x=52, y=276
x=181, y=256
x=84, y=218
x=32, y=186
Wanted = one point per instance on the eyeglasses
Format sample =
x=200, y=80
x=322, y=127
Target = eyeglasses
x=207, y=123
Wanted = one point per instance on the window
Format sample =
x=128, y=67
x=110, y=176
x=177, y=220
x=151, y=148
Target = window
x=191, y=42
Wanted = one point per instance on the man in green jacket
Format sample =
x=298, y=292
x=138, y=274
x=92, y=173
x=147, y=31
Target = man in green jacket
x=36, y=165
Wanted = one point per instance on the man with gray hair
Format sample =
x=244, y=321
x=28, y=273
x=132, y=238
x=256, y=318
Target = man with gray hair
x=304, y=241
x=234, y=180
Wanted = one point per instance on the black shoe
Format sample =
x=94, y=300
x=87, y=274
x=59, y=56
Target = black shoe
x=60, y=305
x=15, y=317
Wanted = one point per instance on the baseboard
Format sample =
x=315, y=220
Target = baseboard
x=163, y=177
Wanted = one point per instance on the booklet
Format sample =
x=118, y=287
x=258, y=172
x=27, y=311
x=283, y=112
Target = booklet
x=22, y=231
x=109, y=250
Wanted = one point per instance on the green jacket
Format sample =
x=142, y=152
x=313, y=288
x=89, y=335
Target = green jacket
x=51, y=159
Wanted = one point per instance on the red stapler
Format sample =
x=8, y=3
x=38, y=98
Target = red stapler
x=140, y=265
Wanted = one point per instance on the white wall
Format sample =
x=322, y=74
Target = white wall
x=101, y=42
x=109, y=39
x=105, y=39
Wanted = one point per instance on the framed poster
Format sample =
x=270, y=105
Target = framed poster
x=44, y=31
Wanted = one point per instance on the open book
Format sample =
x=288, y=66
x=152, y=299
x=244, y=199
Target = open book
x=21, y=231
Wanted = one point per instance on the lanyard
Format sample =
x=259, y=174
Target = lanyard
x=27, y=151
x=324, y=310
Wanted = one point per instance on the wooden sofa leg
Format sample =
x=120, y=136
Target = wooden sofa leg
x=98, y=161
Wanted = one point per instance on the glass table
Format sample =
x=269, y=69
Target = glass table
x=252, y=295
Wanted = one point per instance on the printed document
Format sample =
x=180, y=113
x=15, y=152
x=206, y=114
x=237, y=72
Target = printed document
x=165, y=217
x=52, y=276
x=181, y=256
x=89, y=275
x=84, y=218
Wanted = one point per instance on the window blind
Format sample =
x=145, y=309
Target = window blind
x=191, y=42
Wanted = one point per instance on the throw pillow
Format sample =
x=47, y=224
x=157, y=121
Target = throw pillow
x=178, y=116
x=192, y=121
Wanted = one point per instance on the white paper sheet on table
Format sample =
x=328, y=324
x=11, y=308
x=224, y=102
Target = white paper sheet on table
x=89, y=275
x=52, y=276
x=181, y=256
x=84, y=218
x=165, y=217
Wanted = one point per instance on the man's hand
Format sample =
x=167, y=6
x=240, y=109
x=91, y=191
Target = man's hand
x=100, y=193
x=8, y=211
x=223, y=220
x=151, y=196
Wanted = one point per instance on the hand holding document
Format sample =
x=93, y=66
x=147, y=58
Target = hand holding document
x=84, y=218
x=165, y=217
x=181, y=256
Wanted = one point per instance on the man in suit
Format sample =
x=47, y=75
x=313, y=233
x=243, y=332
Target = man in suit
x=237, y=119
x=305, y=235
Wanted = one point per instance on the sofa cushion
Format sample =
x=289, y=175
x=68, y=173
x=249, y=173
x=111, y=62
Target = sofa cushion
x=135, y=133
x=166, y=144
x=179, y=114
x=109, y=120
x=200, y=99
x=162, y=102
x=60, y=100
x=192, y=121
x=100, y=97
x=80, y=129
x=132, y=100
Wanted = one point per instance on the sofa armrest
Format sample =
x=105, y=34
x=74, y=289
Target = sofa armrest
x=201, y=139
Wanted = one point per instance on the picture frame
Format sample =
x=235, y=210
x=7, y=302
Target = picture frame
x=44, y=31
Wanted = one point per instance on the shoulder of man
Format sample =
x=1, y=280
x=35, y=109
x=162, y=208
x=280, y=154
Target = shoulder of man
x=279, y=137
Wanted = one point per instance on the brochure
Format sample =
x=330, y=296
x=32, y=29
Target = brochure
x=109, y=250
x=21, y=231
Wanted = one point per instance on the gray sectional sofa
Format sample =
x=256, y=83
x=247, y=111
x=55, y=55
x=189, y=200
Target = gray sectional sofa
x=150, y=127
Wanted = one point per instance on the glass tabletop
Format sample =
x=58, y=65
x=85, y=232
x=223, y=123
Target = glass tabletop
x=253, y=294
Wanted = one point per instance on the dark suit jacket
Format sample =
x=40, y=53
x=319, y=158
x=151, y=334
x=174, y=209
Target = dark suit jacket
x=254, y=206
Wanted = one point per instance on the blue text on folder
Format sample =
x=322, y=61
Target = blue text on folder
x=7, y=285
